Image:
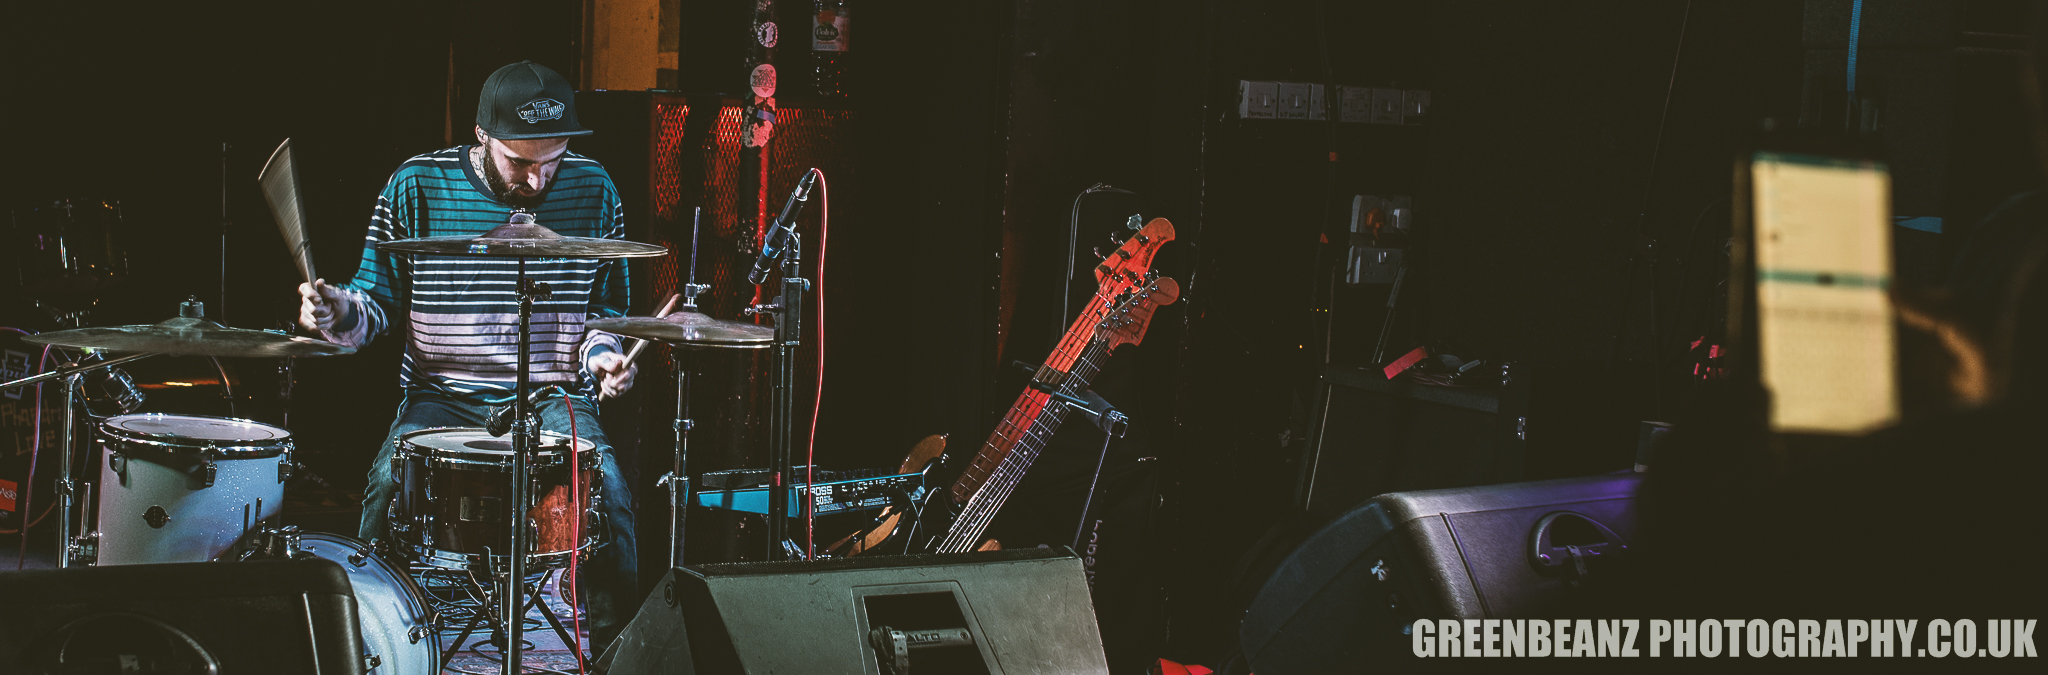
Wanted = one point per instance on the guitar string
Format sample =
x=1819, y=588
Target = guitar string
x=976, y=509
x=1029, y=403
x=982, y=505
x=989, y=500
x=1064, y=348
x=985, y=503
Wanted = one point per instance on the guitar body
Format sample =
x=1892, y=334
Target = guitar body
x=921, y=457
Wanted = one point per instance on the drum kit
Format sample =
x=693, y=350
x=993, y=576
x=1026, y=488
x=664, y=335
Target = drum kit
x=189, y=488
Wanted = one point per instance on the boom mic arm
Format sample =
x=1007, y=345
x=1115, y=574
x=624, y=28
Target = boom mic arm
x=500, y=420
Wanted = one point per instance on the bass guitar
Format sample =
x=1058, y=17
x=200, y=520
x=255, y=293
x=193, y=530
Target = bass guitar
x=953, y=519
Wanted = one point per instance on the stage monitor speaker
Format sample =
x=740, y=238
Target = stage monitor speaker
x=227, y=618
x=1021, y=611
x=1514, y=551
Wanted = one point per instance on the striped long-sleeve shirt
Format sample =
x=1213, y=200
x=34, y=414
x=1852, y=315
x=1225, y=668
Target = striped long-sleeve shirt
x=461, y=314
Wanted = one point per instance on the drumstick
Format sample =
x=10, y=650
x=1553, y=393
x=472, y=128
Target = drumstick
x=280, y=181
x=665, y=309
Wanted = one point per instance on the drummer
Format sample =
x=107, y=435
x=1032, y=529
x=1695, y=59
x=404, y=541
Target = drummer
x=460, y=318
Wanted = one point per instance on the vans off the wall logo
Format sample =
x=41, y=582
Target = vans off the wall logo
x=540, y=110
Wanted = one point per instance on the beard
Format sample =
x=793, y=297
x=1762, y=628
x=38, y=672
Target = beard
x=503, y=190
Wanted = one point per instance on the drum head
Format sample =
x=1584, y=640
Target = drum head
x=195, y=432
x=479, y=446
x=389, y=605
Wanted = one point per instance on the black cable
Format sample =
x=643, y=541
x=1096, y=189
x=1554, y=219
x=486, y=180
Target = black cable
x=1059, y=329
x=1642, y=213
x=1685, y=264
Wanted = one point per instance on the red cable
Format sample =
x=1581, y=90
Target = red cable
x=811, y=451
x=575, y=529
x=28, y=484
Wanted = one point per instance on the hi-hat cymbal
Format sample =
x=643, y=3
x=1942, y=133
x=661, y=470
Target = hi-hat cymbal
x=688, y=328
x=190, y=337
x=524, y=240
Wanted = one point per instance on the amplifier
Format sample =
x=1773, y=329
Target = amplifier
x=1017, y=611
x=1544, y=420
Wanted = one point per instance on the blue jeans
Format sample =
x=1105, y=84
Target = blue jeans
x=613, y=575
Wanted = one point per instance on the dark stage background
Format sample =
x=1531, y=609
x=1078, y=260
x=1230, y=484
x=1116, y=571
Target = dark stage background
x=1565, y=217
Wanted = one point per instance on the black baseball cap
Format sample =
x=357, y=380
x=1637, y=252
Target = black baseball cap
x=527, y=100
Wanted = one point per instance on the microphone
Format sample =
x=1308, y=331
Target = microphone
x=500, y=420
x=778, y=234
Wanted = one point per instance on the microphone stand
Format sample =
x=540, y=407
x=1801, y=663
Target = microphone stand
x=1113, y=423
x=788, y=309
x=67, y=489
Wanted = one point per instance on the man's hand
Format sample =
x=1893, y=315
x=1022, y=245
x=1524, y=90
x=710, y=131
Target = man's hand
x=321, y=306
x=614, y=374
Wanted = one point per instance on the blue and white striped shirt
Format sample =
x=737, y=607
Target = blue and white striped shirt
x=461, y=314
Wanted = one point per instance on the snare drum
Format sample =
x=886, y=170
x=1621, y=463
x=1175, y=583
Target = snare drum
x=455, y=489
x=185, y=488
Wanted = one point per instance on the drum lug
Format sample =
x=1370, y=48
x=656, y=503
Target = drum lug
x=361, y=557
x=119, y=463
x=419, y=632
x=207, y=472
x=371, y=661
x=285, y=468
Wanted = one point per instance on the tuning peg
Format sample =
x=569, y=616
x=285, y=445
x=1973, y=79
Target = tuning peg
x=1134, y=223
x=1098, y=253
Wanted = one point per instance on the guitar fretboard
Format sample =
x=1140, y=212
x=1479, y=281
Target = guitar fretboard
x=1033, y=418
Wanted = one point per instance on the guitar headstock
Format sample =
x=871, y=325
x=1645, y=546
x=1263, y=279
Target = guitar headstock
x=1127, y=319
x=1132, y=261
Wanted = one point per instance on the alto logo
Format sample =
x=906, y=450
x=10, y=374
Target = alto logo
x=540, y=110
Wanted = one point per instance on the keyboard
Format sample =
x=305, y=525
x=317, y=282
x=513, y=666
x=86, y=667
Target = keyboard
x=746, y=490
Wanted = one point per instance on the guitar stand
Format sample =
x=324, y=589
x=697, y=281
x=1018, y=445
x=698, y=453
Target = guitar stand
x=1114, y=425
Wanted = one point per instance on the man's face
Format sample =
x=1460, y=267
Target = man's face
x=518, y=171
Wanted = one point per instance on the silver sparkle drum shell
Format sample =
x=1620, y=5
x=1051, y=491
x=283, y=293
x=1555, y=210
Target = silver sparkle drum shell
x=155, y=505
x=390, y=606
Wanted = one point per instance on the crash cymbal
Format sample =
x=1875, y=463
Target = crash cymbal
x=190, y=337
x=524, y=239
x=688, y=328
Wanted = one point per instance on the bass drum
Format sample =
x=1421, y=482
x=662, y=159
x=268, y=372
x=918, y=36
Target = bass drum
x=397, y=630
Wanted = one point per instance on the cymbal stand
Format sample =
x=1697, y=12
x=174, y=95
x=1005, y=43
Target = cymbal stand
x=678, y=481
x=512, y=583
x=788, y=309
x=67, y=489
